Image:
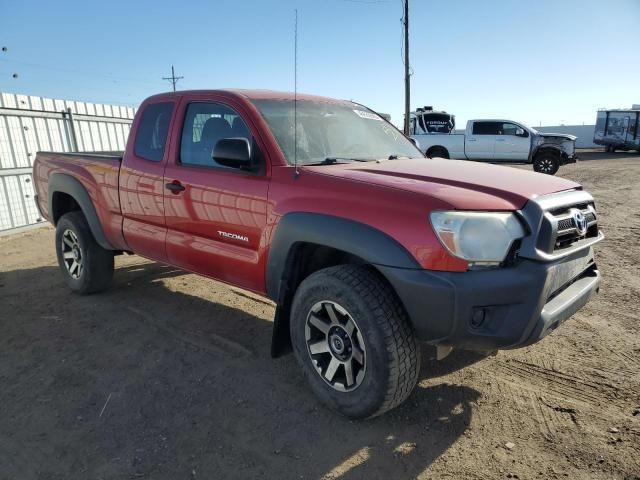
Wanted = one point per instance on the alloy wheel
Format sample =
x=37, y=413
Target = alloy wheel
x=335, y=346
x=546, y=165
x=72, y=254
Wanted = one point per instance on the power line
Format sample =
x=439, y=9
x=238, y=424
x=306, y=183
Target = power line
x=367, y=2
x=173, y=79
x=89, y=73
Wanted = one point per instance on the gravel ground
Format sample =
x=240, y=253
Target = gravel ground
x=168, y=375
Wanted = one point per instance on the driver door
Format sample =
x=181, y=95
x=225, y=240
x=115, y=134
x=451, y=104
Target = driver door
x=215, y=215
x=509, y=146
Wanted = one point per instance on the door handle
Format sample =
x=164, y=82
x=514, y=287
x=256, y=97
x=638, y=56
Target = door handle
x=175, y=187
x=471, y=139
x=499, y=139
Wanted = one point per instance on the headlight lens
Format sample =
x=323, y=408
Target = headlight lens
x=482, y=238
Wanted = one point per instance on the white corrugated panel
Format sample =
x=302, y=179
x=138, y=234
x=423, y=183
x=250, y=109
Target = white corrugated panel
x=30, y=124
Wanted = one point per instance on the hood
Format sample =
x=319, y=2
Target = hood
x=558, y=135
x=461, y=184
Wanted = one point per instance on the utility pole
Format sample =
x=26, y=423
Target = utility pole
x=407, y=79
x=173, y=79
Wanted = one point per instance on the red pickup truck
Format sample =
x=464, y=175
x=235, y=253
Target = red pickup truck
x=366, y=247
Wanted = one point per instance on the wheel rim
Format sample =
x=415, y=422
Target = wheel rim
x=335, y=346
x=546, y=165
x=72, y=254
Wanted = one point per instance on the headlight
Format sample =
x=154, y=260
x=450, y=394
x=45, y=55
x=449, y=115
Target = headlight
x=478, y=237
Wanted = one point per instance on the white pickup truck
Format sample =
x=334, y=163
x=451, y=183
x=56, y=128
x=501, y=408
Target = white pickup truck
x=500, y=141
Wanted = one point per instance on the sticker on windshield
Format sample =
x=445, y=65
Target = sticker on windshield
x=369, y=115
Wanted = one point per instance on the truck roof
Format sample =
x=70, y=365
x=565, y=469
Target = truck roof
x=252, y=95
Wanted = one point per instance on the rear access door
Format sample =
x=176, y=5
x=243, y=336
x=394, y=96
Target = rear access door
x=141, y=183
x=479, y=143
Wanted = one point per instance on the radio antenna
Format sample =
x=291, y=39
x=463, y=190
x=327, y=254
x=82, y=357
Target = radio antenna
x=295, y=95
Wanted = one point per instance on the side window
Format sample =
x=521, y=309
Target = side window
x=486, y=128
x=152, y=131
x=204, y=125
x=508, y=129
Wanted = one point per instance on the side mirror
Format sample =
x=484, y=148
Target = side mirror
x=415, y=142
x=520, y=132
x=233, y=152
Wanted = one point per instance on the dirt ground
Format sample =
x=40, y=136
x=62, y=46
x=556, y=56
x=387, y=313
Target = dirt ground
x=168, y=376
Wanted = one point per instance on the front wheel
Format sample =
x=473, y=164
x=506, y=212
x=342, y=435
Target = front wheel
x=85, y=265
x=353, y=340
x=546, y=162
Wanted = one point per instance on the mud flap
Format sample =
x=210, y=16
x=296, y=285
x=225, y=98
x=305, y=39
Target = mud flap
x=281, y=340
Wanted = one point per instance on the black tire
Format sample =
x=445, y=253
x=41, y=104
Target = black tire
x=546, y=162
x=438, y=152
x=93, y=268
x=390, y=351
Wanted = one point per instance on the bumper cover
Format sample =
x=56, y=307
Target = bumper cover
x=495, y=309
x=565, y=158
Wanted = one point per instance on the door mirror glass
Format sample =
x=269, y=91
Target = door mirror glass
x=233, y=152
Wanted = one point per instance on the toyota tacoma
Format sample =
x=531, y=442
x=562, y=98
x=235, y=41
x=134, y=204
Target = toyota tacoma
x=366, y=247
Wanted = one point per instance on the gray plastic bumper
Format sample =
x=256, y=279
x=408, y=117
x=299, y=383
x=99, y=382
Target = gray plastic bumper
x=495, y=309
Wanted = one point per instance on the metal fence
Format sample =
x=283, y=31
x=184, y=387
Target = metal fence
x=30, y=124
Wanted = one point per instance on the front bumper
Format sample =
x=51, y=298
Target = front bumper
x=495, y=309
x=566, y=158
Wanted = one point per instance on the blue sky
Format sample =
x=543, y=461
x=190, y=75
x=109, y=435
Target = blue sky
x=546, y=61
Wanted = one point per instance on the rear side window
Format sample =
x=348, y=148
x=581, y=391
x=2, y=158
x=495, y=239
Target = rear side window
x=152, y=131
x=486, y=128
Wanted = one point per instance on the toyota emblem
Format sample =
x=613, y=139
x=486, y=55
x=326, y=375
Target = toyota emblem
x=580, y=221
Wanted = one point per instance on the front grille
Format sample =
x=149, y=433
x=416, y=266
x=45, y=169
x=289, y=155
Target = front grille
x=560, y=223
x=565, y=229
x=565, y=224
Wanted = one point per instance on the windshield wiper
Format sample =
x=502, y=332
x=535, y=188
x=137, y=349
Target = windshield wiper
x=334, y=160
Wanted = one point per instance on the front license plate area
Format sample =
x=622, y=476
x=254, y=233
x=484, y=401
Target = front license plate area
x=567, y=270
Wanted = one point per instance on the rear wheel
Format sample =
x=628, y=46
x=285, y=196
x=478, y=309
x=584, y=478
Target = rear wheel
x=85, y=265
x=438, y=152
x=546, y=162
x=352, y=338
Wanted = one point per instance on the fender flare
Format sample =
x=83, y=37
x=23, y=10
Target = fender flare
x=62, y=183
x=546, y=147
x=372, y=245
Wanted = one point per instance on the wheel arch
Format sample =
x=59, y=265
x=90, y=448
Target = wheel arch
x=547, y=149
x=435, y=148
x=68, y=194
x=307, y=242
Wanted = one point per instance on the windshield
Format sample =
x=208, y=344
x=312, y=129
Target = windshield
x=333, y=131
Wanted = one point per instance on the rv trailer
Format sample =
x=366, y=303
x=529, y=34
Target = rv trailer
x=618, y=129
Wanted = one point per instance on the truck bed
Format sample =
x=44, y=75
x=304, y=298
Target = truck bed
x=95, y=172
x=99, y=155
x=453, y=142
